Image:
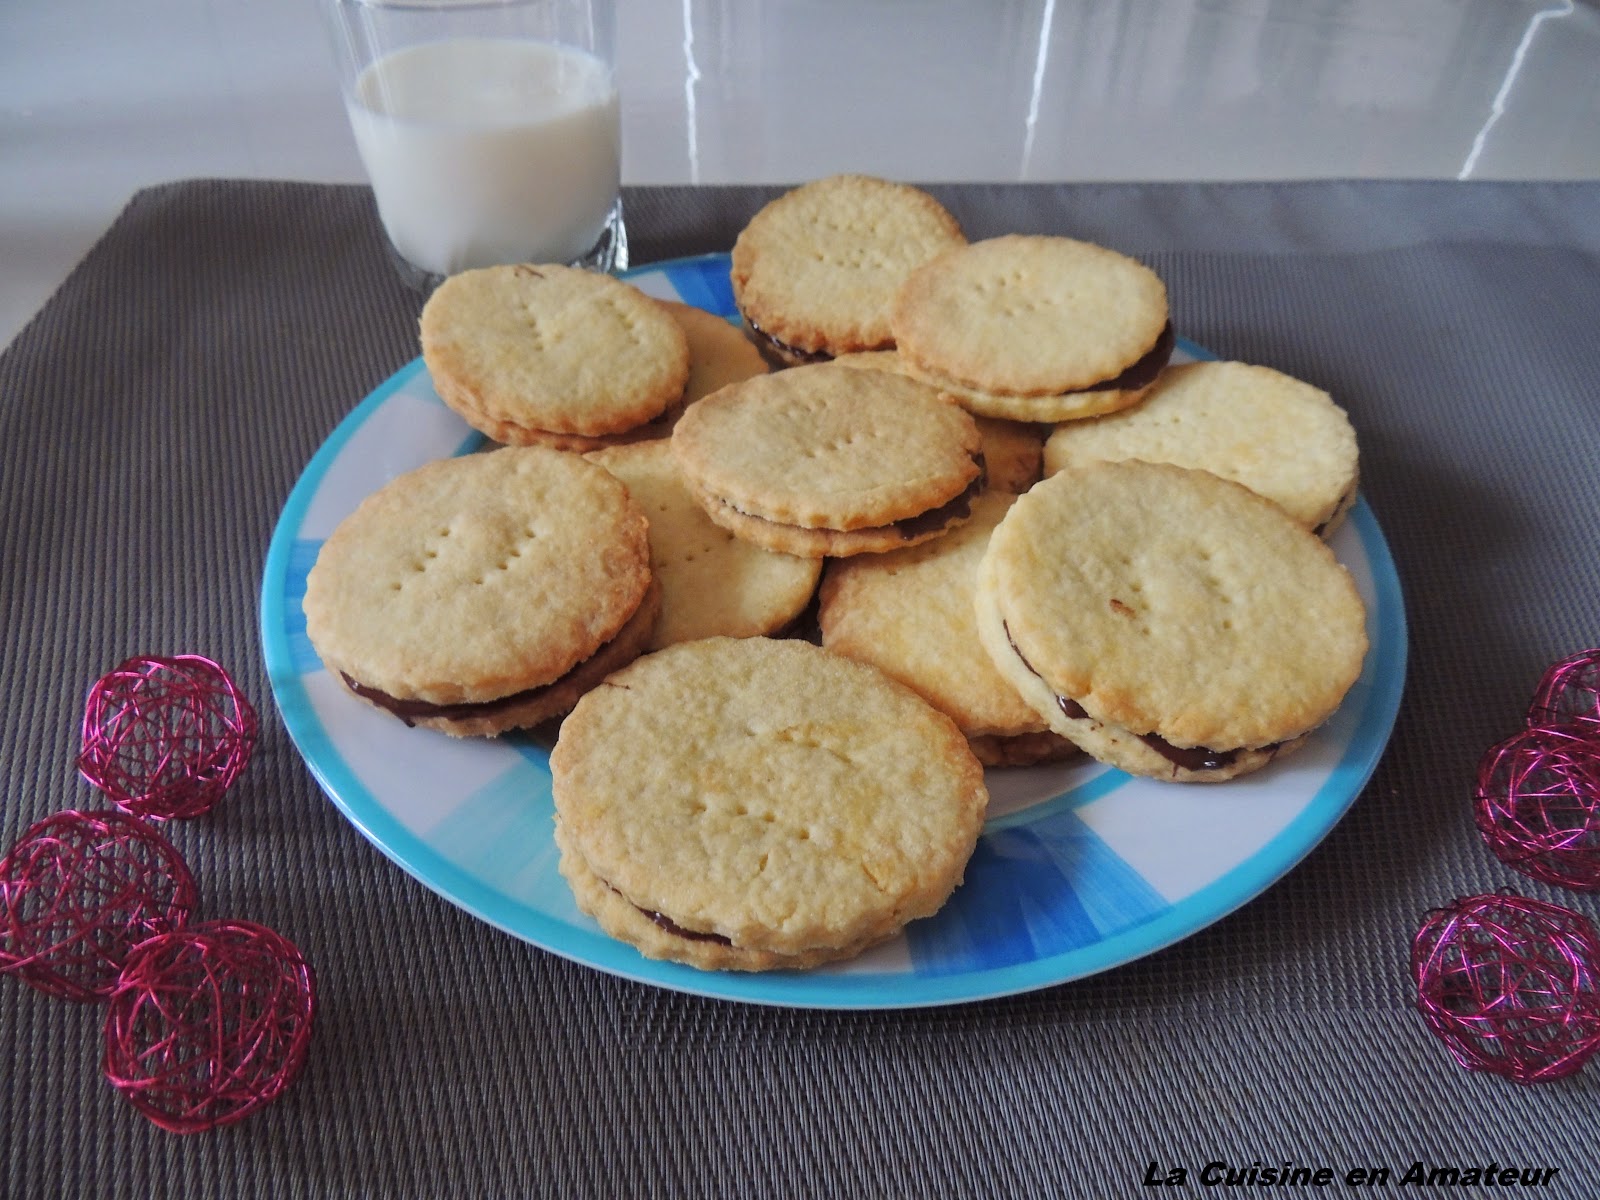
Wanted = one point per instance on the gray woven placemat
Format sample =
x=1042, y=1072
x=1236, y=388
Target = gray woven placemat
x=154, y=417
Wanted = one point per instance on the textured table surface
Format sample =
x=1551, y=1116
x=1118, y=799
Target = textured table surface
x=154, y=417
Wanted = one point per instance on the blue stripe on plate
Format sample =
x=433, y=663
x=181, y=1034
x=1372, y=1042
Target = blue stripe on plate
x=498, y=828
x=704, y=283
x=1031, y=892
x=302, y=656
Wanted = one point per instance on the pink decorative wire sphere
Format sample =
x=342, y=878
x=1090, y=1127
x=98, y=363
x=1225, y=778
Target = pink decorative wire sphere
x=208, y=1024
x=79, y=891
x=1569, y=693
x=1511, y=985
x=166, y=737
x=1538, y=805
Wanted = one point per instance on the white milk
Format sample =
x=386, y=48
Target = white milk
x=485, y=151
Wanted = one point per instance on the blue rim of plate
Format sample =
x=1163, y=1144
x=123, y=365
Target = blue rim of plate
x=1045, y=901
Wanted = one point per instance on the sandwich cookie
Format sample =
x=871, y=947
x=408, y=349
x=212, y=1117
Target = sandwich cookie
x=1170, y=622
x=751, y=804
x=1279, y=437
x=828, y=461
x=552, y=355
x=814, y=271
x=712, y=583
x=484, y=593
x=1013, y=451
x=910, y=614
x=1036, y=328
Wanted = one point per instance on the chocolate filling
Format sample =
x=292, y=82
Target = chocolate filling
x=412, y=711
x=694, y=935
x=1338, y=510
x=672, y=927
x=909, y=528
x=784, y=348
x=1144, y=371
x=1141, y=374
x=1187, y=758
x=957, y=508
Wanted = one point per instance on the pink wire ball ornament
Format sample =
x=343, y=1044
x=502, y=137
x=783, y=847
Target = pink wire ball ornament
x=1569, y=694
x=1511, y=985
x=208, y=1024
x=166, y=737
x=1537, y=804
x=78, y=891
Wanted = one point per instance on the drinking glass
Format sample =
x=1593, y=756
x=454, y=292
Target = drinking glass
x=489, y=129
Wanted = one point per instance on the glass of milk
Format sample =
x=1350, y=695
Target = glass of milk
x=489, y=129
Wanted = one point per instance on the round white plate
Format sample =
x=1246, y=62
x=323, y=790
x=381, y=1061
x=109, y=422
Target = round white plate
x=1080, y=867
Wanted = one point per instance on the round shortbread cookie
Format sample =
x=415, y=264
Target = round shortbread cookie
x=552, y=349
x=1281, y=438
x=1013, y=451
x=767, y=792
x=995, y=406
x=712, y=583
x=815, y=270
x=654, y=935
x=910, y=614
x=831, y=450
x=1169, y=621
x=470, y=580
x=1032, y=316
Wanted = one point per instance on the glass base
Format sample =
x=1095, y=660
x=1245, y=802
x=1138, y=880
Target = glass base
x=609, y=255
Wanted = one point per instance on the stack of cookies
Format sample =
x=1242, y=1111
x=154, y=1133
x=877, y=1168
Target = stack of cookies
x=1168, y=621
x=824, y=461
x=1023, y=534
x=1038, y=329
x=754, y=803
x=485, y=593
